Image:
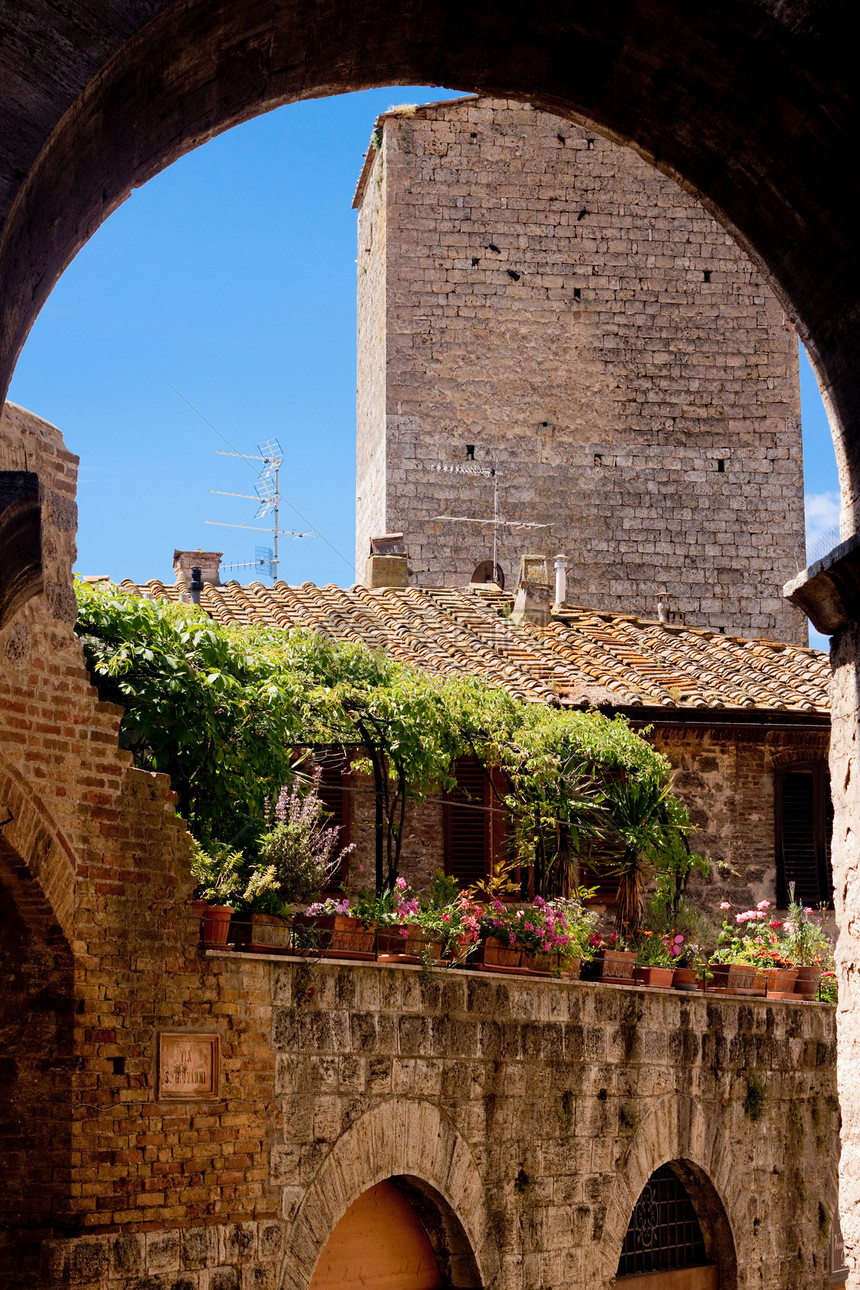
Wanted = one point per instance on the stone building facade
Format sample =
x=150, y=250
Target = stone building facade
x=177, y=1119
x=535, y=299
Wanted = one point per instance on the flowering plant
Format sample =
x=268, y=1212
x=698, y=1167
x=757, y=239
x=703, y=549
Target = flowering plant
x=653, y=950
x=539, y=928
x=805, y=939
x=600, y=941
x=753, y=938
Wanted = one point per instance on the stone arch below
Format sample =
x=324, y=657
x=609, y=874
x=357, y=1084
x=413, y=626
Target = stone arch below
x=39, y=846
x=677, y=1132
x=413, y=1145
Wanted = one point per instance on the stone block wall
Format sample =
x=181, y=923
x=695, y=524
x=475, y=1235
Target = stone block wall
x=532, y=1111
x=535, y=298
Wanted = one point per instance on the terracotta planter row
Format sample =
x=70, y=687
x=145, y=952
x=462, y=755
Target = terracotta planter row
x=340, y=936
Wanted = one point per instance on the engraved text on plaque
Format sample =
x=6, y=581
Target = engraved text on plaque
x=187, y=1065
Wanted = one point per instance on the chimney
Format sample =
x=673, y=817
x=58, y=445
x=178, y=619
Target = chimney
x=560, y=581
x=386, y=565
x=208, y=563
x=532, y=601
x=195, y=586
x=665, y=612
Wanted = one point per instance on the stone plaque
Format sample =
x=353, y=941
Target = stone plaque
x=188, y=1066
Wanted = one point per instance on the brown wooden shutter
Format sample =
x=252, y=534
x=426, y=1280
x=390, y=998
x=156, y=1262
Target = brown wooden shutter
x=804, y=823
x=335, y=796
x=466, y=824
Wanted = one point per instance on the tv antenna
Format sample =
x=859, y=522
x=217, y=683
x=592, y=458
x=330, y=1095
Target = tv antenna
x=488, y=472
x=268, y=499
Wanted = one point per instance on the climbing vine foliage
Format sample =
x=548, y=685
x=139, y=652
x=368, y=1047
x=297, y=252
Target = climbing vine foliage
x=226, y=713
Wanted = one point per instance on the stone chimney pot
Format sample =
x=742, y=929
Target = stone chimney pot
x=532, y=603
x=387, y=564
x=208, y=562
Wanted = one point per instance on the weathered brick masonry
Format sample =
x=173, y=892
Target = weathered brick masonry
x=542, y=296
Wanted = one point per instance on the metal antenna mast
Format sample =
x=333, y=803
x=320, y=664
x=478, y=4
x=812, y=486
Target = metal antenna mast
x=267, y=497
x=488, y=472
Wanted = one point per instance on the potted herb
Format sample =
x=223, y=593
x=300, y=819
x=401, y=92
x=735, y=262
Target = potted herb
x=298, y=854
x=218, y=870
x=340, y=925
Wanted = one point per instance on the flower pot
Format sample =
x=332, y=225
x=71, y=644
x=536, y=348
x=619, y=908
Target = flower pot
x=216, y=924
x=732, y=977
x=496, y=955
x=263, y=933
x=461, y=948
x=571, y=969
x=613, y=967
x=541, y=964
x=807, y=981
x=684, y=979
x=407, y=943
x=334, y=935
x=657, y=977
x=780, y=981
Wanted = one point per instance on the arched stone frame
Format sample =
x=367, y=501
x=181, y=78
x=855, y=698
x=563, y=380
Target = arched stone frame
x=198, y=67
x=35, y=838
x=678, y=1132
x=416, y=1146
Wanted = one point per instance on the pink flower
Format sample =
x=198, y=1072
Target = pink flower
x=724, y=904
x=763, y=904
x=401, y=883
x=679, y=940
x=775, y=924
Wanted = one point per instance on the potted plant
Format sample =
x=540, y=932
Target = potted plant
x=499, y=949
x=807, y=945
x=218, y=870
x=405, y=933
x=297, y=856
x=654, y=965
x=612, y=961
x=342, y=926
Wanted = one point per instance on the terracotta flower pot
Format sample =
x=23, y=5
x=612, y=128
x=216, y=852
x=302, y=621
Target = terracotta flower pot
x=613, y=967
x=807, y=981
x=780, y=980
x=216, y=924
x=407, y=943
x=732, y=976
x=541, y=964
x=657, y=977
x=263, y=933
x=684, y=979
x=571, y=969
x=334, y=935
x=494, y=953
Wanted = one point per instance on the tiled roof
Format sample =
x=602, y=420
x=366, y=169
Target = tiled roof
x=582, y=656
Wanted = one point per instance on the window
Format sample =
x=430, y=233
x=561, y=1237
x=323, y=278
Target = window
x=476, y=823
x=804, y=824
x=664, y=1231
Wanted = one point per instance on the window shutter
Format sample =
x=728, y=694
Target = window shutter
x=804, y=826
x=334, y=795
x=466, y=824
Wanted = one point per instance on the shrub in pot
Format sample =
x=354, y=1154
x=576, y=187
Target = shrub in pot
x=218, y=870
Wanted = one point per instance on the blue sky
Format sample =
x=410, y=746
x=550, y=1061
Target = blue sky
x=232, y=277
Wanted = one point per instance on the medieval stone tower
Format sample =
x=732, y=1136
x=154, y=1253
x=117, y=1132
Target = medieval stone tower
x=538, y=301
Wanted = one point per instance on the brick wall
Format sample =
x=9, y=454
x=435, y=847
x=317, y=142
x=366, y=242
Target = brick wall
x=543, y=295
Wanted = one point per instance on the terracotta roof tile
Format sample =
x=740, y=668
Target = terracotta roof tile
x=582, y=656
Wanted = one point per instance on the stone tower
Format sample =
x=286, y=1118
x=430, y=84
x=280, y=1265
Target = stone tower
x=537, y=300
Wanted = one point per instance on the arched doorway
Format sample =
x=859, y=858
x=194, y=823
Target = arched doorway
x=379, y=1244
x=678, y=1237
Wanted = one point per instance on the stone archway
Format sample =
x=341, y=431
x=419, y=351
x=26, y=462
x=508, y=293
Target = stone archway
x=36, y=1065
x=677, y=1132
x=697, y=91
x=416, y=1147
